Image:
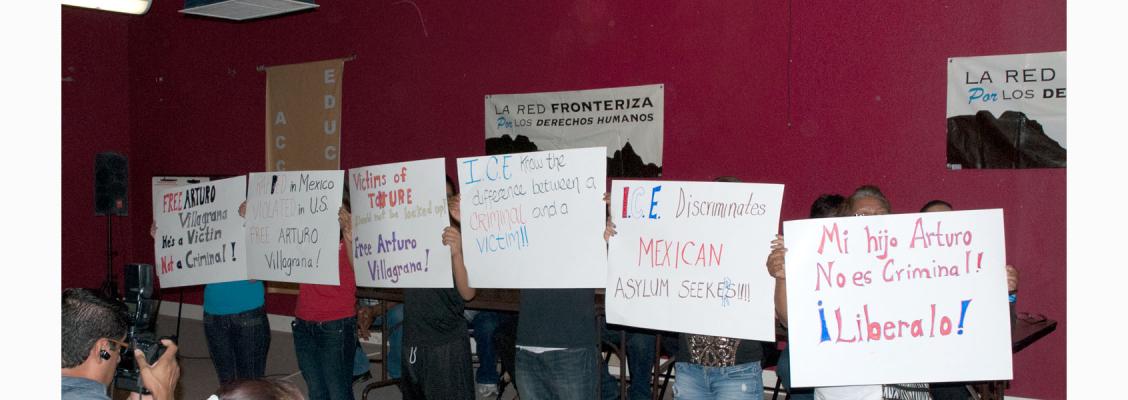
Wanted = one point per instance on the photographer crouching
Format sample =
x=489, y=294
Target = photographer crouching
x=94, y=334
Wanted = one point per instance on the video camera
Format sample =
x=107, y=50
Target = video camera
x=142, y=304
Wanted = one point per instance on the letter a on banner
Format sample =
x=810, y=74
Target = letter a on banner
x=303, y=116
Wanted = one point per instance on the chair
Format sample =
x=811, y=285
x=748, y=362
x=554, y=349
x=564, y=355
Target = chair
x=770, y=360
x=384, y=335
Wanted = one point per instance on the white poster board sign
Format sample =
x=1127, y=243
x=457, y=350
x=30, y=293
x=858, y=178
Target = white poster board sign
x=399, y=211
x=535, y=220
x=200, y=236
x=898, y=299
x=292, y=227
x=689, y=257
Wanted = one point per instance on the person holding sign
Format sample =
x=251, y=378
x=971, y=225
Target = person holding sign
x=436, y=359
x=958, y=390
x=324, y=326
x=715, y=367
x=865, y=201
x=557, y=354
x=235, y=325
x=825, y=206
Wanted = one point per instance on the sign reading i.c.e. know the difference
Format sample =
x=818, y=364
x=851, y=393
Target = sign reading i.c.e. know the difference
x=898, y=299
x=535, y=220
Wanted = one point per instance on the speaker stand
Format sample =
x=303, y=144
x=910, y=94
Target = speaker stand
x=179, y=313
x=109, y=286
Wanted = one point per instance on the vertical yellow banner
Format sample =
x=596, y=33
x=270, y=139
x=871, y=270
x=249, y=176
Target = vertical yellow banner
x=303, y=116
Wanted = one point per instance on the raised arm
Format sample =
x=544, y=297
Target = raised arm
x=776, y=270
x=453, y=237
x=1012, y=291
x=345, y=218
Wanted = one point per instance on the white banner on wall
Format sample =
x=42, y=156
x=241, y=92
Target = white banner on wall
x=292, y=228
x=690, y=257
x=534, y=220
x=628, y=121
x=918, y=297
x=1007, y=111
x=399, y=211
x=200, y=235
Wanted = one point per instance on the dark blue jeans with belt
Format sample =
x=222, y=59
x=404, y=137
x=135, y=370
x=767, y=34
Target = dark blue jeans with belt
x=238, y=344
x=568, y=374
x=325, y=356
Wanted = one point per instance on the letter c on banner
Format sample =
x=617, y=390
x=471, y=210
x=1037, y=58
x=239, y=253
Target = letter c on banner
x=330, y=152
x=280, y=142
x=280, y=165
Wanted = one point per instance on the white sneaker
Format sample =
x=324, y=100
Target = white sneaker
x=486, y=391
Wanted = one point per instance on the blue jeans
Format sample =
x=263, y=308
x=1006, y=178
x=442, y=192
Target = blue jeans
x=395, y=342
x=325, y=353
x=567, y=374
x=740, y=381
x=783, y=370
x=484, y=323
x=238, y=344
x=640, y=362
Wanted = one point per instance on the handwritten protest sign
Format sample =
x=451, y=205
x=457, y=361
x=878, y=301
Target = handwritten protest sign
x=292, y=228
x=162, y=183
x=399, y=212
x=898, y=299
x=689, y=257
x=535, y=220
x=200, y=235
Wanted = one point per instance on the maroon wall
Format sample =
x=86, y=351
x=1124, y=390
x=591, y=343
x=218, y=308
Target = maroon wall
x=95, y=109
x=864, y=102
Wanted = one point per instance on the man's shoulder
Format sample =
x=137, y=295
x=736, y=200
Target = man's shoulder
x=83, y=389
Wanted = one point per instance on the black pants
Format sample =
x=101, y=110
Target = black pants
x=437, y=372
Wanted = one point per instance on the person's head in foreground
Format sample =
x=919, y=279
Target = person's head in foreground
x=867, y=200
x=258, y=389
x=94, y=329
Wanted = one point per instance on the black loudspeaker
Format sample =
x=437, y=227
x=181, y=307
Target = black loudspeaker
x=111, y=184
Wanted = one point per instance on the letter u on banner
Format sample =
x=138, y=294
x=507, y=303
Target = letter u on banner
x=303, y=116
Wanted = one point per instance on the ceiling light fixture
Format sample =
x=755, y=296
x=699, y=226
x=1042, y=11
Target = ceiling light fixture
x=122, y=6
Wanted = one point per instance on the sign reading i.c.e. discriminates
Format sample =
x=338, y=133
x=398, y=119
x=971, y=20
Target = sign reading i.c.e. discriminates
x=535, y=220
x=293, y=230
x=200, y=236
x=399, y=211
x=690, y=257
x=898, y=299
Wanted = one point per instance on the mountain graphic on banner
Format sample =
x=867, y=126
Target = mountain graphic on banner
x=628, y=164
x=508, y=145
x=1009, y=141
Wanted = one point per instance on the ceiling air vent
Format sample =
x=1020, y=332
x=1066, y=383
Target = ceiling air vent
x=240, y=10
